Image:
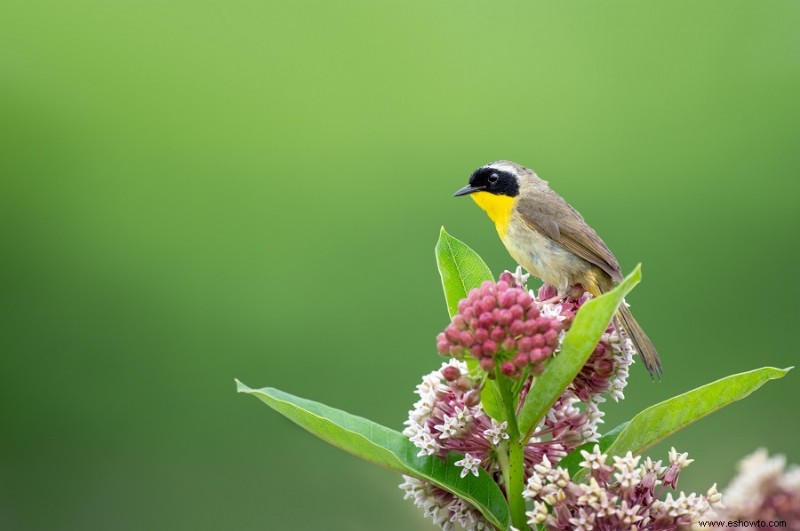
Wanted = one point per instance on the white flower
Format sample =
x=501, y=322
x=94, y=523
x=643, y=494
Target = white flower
x=628, y=515
x=654, y=466
x=520, y=277
x=628, y=474
x=538, y=514
x=544, y=467
x=451, y=427
x=714, y=497
x=680, y=460
x=441, y=507
x=469, y=464
x=497, y=432
x=593, y=460
x=624, y=358
x=557, y=480
x=592, y=493
x=595, y=417
x=456, y=425
x=559, y=476
x=533, y=487
x=462, y=414
x=423, y=440
x=551, y=311
x=624, y=504
x=583, y=522
x=604, y=505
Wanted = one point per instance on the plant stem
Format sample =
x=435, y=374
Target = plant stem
x=513, y=463
x=516, y=484
x=502, y=460
x=503, y=386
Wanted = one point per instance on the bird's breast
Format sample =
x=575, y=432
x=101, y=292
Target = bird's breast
x=541, y=256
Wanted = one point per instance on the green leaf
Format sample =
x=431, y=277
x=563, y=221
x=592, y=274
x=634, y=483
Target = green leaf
x=383, y=446
x=491, y=402
x=460, y=268
x=572, y=460
x=591, y=322
x=657, y=422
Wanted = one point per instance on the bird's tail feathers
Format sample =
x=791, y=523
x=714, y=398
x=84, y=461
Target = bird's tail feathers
x=641, y=342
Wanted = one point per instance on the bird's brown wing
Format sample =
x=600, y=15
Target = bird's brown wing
x=557, y=220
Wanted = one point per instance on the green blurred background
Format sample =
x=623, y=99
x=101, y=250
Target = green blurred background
x=197, y=191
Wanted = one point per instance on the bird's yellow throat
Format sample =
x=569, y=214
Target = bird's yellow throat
x=499, y=208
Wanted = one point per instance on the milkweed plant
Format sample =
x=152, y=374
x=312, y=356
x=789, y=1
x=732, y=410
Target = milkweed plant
x=505, y=434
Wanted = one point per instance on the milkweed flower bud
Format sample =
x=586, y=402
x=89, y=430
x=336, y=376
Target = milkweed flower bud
x=451, y=373
x=495, y=323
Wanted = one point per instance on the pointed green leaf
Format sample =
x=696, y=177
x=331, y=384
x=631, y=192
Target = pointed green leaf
x=383, y=446
x=663, y=419
x=460, y=268
x=491, y=401
x=591, y=322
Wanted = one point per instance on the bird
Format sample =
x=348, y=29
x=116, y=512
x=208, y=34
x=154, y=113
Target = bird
x=551, y=240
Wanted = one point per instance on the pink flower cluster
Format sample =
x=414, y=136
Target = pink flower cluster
x=445, y=509
x=448, y=417
x=500, y=324
x=622, y=495
x=765, y=490
x=606, y=371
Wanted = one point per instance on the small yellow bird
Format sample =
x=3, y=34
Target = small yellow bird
x=550, y=239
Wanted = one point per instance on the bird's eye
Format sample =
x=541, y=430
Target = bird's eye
x=493, y=178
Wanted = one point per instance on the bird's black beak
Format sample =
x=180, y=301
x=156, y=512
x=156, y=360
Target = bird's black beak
x=469, y=189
